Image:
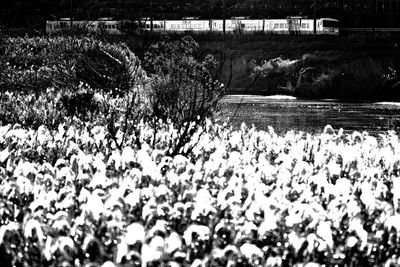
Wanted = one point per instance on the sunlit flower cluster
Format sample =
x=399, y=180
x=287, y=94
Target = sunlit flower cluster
x=70, y=197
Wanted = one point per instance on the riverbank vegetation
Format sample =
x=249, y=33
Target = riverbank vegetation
x=346, y=67
x=357, y=67
x=109, y=161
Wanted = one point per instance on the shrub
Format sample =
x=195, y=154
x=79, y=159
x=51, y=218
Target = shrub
x=55, y=79
x=320, y=75
x=35, y=64
x=184, y=89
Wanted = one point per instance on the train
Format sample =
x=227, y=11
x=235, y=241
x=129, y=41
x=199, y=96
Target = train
x=290, y=25
x=106, y=25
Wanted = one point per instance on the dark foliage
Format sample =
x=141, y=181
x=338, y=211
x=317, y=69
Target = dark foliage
x=184, y=89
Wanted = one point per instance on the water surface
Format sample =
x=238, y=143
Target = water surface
x=288, y=113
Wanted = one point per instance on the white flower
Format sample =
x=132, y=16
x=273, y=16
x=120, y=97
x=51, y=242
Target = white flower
x=161, y=225
x=202, y=231
x=134, y=233
x=203, y=196
x=393, y=221
x=61, y=224
x=161, y=190
x=43, y=135
x=180, y=161
x=273, y=262
x=367, y=195
x=396, y=191
x=149, y=167
x=172, y=242
x=149, y=208
x=250, y=251
x=108, y=264
x=333, y=168
x=356, y=225
x=269, y=224
x=235, y=139
x=83, y=195
x=99, y=180
x=117, y=158
x=325, y=232
x=128, y=155
x=351, y=241
x=4, y=154
x=133, y=198
x=246, y=230
x=295, y=240
x=122, y=250
x=114, y=200
x=156, y=246
x=99, y=134
x=235, y=159
x=343, y=187
x=99, y=165
x=24, y=185
x=25, y=168
x=197, y=263
x=94, y=206
x=67, y=202
x=31, y=225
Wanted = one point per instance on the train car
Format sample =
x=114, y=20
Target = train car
x=289, y=26
x=109, y=26
x=250, y=25
x=145, y=25
x=187, y=25
x=217, y=25
x=55, y=26
x=302, y=26
x=237, y=25
x=106, y=25
x=276, y=26
x=328, y=26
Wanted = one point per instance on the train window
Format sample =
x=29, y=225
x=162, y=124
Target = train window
x=276, y=25
x=282, y=25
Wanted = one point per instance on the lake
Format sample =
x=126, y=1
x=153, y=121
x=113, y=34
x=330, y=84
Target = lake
x=285, y=113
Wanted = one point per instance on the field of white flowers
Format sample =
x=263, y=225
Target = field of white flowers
x=70, y=197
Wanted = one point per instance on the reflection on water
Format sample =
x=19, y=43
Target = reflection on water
x=289, y=113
